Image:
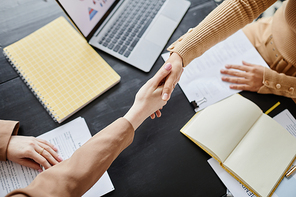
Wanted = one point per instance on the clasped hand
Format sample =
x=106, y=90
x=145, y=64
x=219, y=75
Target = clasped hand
x=149, y=100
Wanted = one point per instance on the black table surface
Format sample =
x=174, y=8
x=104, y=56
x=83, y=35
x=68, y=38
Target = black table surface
x=160, y=161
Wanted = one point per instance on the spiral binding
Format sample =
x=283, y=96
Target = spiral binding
x=26, y=80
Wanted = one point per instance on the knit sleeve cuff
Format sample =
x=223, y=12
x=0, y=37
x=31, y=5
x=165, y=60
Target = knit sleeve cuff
x=278, y=83
x=7, y=128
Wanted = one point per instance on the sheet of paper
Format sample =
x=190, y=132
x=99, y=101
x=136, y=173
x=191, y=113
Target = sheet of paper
x=286, y=119
x=67, y=139
x=202, y=77
x=287, y=186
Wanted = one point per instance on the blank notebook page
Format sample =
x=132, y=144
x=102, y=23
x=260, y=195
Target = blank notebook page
x=61, y=68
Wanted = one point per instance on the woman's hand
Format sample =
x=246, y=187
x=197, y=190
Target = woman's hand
x=173, y=78
x=32, y=152
x=149, y=98
x=247, y=77
x=174, y=61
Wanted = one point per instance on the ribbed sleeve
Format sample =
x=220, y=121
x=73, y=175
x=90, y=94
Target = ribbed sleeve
x=226, y=19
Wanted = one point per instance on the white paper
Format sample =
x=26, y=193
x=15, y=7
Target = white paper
x=286, y=119
x=202, y=77
x=67, y=139
x=287, y=187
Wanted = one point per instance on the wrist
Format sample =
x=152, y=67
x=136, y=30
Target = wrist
x=135, y=117
x=176, y=57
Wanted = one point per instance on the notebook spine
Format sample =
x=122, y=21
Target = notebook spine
x=26, y=80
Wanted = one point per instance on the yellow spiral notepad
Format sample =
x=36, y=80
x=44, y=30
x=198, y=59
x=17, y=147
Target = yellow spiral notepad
x=63, y=71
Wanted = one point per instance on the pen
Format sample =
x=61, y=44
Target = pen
x=291, y=171
x=272, y=108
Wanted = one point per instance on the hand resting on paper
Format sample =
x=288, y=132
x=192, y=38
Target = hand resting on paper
x=244, y=77
x=32, y=152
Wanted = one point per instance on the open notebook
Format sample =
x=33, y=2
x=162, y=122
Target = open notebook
x=63, y=71
x=248, y=144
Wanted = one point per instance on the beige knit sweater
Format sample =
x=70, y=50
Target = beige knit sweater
x=233, y=15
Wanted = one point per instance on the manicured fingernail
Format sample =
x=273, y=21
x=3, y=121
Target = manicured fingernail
x=165, y=96
x=40, y=170
x=61, y=159
x=168, y=66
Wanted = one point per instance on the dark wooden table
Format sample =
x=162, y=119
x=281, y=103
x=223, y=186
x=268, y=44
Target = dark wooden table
x=160, y=161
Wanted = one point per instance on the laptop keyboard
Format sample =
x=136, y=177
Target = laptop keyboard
x=130, y=26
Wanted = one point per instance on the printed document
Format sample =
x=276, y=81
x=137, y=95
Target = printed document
x=66, y=139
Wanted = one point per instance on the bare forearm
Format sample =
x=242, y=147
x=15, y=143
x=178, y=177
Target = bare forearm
x=73, y=177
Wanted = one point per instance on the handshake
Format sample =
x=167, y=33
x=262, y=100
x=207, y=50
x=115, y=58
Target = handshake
x=155, y=93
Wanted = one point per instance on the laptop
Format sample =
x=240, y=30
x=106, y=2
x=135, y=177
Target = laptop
x=134, y=31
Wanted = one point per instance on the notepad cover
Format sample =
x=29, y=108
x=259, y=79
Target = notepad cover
x=61, y=68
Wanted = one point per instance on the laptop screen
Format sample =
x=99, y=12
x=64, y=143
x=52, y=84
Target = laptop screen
x=86, y=13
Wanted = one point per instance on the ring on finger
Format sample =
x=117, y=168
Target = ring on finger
x=40, y=153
